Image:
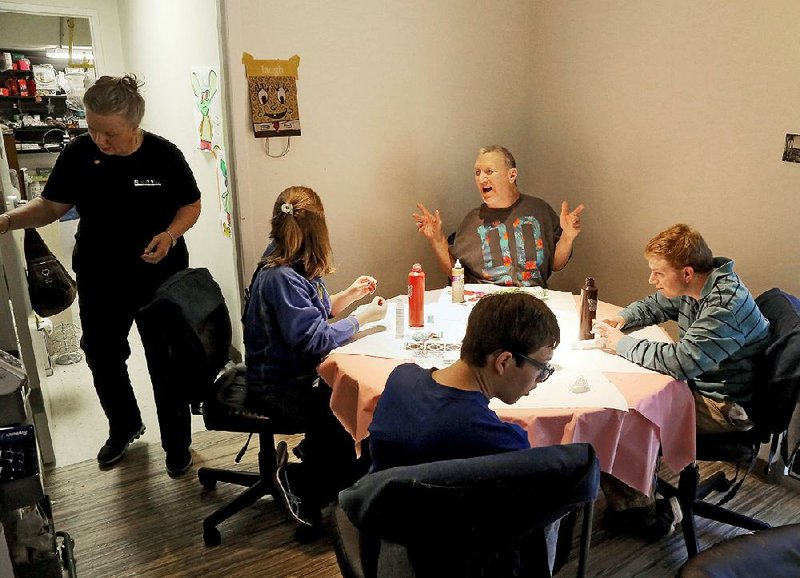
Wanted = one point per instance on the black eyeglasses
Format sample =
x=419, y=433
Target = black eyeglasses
x=545, y=369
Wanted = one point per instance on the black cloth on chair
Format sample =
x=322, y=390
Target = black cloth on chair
x=189, y=328
x=480, y=516
x=780, y=372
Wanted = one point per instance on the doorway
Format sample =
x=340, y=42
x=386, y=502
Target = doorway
x=57, y=51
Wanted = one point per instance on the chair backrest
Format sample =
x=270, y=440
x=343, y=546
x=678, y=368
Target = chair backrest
x=189, y=317
x=773, y=552
x=778, y=388
x=457, y=508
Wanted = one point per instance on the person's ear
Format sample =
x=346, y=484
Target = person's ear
x=512, y=175
x=502, y=361
x=688, y=274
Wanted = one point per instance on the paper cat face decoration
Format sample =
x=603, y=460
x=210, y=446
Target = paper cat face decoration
x=272, y=85
x=274, y=98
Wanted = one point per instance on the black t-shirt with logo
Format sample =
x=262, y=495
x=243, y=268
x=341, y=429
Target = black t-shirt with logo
x=123, y=202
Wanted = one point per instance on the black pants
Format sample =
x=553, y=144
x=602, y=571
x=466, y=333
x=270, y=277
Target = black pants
x=329, y=462
x=109, y=304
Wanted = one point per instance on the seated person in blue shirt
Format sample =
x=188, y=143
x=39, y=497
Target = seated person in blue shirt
x=287, y=332
x=428, y=415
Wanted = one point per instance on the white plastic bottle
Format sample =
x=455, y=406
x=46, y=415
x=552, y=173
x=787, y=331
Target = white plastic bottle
x=457, y=282
x=399, y=319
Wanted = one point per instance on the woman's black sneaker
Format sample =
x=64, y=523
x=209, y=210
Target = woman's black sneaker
x=115, y=447
x=297, y=506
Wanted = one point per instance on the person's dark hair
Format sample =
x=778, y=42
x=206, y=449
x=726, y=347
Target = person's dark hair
x=116, y=95
x=511, y=163
x=681, y=245
x=512, y=321
x=300, y=233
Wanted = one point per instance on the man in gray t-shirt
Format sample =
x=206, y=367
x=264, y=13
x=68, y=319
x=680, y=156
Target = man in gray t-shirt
x=511, y=239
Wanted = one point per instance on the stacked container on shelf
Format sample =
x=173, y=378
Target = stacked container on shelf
x=29, y=545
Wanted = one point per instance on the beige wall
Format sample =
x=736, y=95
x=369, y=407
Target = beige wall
x=656, y=112
x=649, y=112
x=395, y=99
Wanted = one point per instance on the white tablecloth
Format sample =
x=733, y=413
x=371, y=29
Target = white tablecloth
x=448, y=326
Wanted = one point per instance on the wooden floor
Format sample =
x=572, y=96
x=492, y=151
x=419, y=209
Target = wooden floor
x=134, y=520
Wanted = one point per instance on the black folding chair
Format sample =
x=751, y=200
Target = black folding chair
x=483, y=516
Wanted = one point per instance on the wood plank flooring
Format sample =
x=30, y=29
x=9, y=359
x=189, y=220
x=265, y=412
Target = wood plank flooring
x=134, y=520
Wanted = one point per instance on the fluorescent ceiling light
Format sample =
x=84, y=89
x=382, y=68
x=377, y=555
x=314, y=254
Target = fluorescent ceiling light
x=77, y=55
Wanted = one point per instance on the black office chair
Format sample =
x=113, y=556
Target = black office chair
x=773, y=552
x=483, y=516
x=190, y=323
x=775, y=399
x=225, y=408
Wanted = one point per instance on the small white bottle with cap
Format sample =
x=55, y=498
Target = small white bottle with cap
x=457, y=282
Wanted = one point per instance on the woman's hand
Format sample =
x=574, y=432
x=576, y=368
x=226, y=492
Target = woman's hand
x=158, y=248
x=374, y=311
x=361, y=287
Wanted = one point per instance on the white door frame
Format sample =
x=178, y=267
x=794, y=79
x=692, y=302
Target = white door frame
x=12, y=261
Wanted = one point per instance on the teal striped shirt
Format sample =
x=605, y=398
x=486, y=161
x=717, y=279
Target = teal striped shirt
x=721, y=335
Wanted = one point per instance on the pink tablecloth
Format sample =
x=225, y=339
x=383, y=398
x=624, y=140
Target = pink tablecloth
x=661, y=414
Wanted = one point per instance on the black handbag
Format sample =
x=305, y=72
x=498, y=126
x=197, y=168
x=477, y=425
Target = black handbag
x=50, y=286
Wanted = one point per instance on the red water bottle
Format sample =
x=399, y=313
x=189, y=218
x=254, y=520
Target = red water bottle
x=416, y=296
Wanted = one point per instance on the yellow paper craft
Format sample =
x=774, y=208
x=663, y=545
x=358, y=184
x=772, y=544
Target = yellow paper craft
x=272, y=85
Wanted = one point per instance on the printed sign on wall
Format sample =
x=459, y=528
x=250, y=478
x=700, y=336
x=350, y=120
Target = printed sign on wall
x=272, y=85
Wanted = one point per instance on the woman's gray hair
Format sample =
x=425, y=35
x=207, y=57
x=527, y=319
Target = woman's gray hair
x=116, y=95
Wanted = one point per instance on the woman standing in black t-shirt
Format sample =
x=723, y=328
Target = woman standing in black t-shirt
x=136, y=197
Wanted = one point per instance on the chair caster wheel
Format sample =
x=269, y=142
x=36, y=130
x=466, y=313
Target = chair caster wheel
x=211, y=537
x=206, y=481
x=308, y=534
x=724, y=485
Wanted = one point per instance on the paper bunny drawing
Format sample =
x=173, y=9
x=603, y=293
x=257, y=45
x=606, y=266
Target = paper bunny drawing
x=204, y=97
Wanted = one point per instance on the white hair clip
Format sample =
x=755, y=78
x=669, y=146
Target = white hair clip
x=287, y=208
